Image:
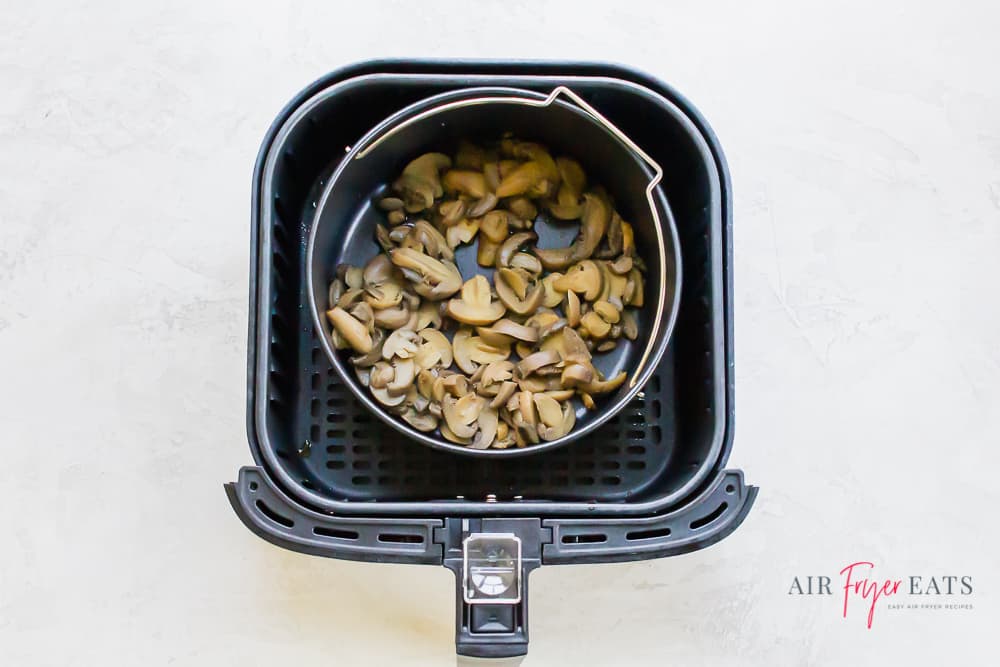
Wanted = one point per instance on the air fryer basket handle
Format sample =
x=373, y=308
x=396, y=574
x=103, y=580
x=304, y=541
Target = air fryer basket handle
x=486, y=627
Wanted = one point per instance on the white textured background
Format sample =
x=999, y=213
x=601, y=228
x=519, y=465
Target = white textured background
x=864, y=141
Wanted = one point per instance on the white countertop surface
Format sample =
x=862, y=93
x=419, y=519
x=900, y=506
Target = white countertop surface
x=864, y=144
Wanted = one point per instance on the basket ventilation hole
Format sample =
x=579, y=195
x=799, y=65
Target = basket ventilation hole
x=326, y=531
x=592, y=538
x=397, y=538
x=647, y=534
x=274, y=516
x=709, y=518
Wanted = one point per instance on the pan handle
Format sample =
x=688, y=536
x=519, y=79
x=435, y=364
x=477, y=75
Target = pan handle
x=597, y=116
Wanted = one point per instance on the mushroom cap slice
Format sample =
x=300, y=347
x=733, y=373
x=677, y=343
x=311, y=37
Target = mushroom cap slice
x=572, y=309
x=476, y=305
x=405, y=373
x=436, y=349
x=595, y=325
x=630, y=327
x=392, y=318
x=496, y=371
x=607, y=312
x=603, y=386
x=511, y=245
x=350, y=329
x=488, y=422
x=549, y=410
x=507, y=389
x=383, y=396
x=402, y=343
x=462, y=232
x=437, y=279
x=378, y=270
x=433, y=242
x=451, y=436
x=552, y=432
x=421, y=421
x=381, y=374
x=373, y=355
x=553, y=297
x=466, y=182
x=584, y=278
x=576, y=374
x=505, y=332
x=534, y=291
x=461, y=414
x=534, y=362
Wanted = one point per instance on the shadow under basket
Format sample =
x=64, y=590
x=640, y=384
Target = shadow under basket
x=331, y=479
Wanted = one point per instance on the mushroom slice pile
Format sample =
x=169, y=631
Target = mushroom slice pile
x=493, y=360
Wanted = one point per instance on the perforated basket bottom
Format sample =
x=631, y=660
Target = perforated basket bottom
x=353, y=455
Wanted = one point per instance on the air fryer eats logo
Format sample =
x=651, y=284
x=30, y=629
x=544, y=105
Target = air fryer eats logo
x=862, y=590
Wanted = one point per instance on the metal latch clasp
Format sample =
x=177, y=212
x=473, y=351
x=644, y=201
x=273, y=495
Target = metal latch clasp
x=491, y=568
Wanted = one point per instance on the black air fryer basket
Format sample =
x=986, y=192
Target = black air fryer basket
x=330, y=479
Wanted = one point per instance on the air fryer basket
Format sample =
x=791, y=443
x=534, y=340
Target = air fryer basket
x=332, y=480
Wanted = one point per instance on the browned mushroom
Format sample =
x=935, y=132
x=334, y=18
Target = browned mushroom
x=452, y=212
x=522, y=207
x=401, y=343
x=431, y=240
x=583, y=278
x=419, y=420
x=466, y=182
x=469, y=351
x=436, y=349
x=596, y=215
x=463, y=232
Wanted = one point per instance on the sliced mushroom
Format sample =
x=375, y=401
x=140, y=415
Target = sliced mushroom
x=505, y=332
x=466, y=182
x=569, y=345
x=461, y=233
x=583, y=278
x=587, y=400
x=596, y=215
x=488, y=422
x=384, y=295
x=549, y=410
x=469, y=351
x=460, y=414
x=607, y=311
x=383, y=396
x=621, y=266
x=576, y=374
x=630, y=328
x=421, y=421
x=594, y=325
x=449, y=435
x=433, y=279
x=436, y=349
x=433, y=243
x=511, y=246
x=633, y=295
x=603, y=386
x=405, y=371
x=561, y=394
x=476, y=305
x=350, y=297
x=425, y=382
x=402, y=343
x=512, y=283
x=607, y=345
x=452, y=212
x=392, y=318
x=485, y=204
x=420, y=182
x=455, y=384
x=536, y=361
x=549, y=432
x=530, y=263
x=390, y=203
x=354, y=332
x=496, y=371
x=396, y=217
x=352, y=276
x=526, y=177
x=363, y=313
x=374, y=354
x=572, y=308
x=553, y=297
x=428, y=315
x=523, y=208
x=504, y=393
x=381, y=375
x=486, y=252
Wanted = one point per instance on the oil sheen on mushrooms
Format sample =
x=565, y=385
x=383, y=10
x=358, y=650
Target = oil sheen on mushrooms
x=490, y=362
